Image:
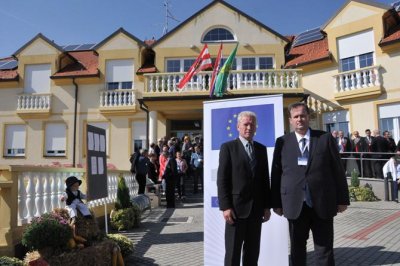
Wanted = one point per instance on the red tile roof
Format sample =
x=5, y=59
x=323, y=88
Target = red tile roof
x=147, y=69
x=86, y=63
x=308, y=53
x=8, y=74
x=150, y=42
x=393, y=36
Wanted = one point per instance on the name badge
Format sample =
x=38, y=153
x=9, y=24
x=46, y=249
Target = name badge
x=302, y=161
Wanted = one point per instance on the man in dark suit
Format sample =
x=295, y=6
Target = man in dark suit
x=379, y=146
x=243, y=192
x=308, y=186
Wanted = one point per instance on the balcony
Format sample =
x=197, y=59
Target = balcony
x=361, y=83
x=34, y=105
x=239, y=82
x=120, y=101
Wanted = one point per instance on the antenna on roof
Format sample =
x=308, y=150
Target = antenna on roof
x=168, y=15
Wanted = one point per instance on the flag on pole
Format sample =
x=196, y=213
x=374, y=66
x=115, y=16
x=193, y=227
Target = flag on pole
x=220, y=83
x=215, y=70
x=202, y=62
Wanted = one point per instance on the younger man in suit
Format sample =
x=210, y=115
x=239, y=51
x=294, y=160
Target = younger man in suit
x=308, y=186
x=243, y=192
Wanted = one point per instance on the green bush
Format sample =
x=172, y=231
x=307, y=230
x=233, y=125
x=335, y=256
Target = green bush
x=124, y=243
x=355, y=181
x=138, y=215
x=123, y=219
x=8, y=261
x=123, y=198
x=48, y=230
x=362, y=193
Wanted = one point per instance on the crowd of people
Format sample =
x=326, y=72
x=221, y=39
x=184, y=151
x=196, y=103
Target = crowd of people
x=370, y=152
x=170, y=163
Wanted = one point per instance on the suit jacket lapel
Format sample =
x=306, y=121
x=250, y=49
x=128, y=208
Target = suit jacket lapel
x=313, y=145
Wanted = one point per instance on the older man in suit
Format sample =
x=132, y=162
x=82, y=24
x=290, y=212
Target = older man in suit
x=243, y=192
x=308, y=186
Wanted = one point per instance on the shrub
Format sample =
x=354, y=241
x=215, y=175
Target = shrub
x=123, y=198
x=125, y=219
x=48, y=230
x=8, y=261
x=124, y=243
x=362, y=193
x=355, y=181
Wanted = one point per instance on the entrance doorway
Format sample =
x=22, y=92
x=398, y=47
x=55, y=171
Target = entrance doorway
x=191, y=128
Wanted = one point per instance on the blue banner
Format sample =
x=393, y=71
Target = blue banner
x=224, y=124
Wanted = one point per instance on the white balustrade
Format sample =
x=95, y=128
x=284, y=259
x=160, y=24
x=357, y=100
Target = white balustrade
x=39, y=191
x=34, y=102
x=165, y=83
x=357, y=79
x=117, y=98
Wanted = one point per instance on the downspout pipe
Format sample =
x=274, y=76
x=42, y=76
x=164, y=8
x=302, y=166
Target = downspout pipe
x=75, y=122
x=145, y=108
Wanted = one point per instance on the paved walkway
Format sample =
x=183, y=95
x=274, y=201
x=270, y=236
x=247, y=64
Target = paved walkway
x=368, y=233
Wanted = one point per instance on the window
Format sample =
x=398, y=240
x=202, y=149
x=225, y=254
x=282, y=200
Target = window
x=356, y=50
x=138, y=135
x=179, y=65
x=266, y=63
x=119, y=74
x=55, y=139
x=248, y=63
x=218, y=34
x=15, y=138
x=389, y=119
x=106, y=127
x=337, y=120
x=37, y=78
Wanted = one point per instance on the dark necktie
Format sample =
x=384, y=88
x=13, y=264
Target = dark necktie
x=304, y=153
x=250, y=152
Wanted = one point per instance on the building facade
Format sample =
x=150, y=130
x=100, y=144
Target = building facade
x=346, y=70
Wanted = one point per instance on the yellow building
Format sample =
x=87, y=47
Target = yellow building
x=345, y=70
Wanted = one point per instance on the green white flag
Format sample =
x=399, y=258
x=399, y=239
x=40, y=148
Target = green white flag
x=220, y=84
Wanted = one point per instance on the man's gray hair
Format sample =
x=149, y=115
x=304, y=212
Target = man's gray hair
x=247, y=114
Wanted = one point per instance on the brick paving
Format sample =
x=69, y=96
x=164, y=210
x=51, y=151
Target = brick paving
x=368, y=233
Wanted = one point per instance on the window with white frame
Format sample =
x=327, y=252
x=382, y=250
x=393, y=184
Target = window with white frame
x=336, y=120
x=218, y=35
x=119, y=74
x=37, y=78
x=239, y=63
x=106, y=127
x=356, y=51
x=15, y=140
x=138, y=135
x=55, y=139
x=389, y=119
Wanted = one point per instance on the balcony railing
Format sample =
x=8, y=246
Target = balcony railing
x=34, y=102
x=357, y=79
x=238, y=81
x=117, y=98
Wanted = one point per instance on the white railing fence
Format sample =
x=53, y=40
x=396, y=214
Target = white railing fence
x=237, y=80
x=357, y=79
x=34, y=102
x=117, y=98
x=39, y=192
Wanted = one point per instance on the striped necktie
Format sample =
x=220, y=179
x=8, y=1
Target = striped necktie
x=250, y=152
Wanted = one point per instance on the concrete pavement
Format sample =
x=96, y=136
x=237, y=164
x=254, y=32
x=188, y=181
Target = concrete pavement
x=368, y=233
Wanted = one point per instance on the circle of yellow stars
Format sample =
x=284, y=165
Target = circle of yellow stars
x=232, y=123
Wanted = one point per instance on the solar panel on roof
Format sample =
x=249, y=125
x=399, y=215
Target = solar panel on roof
x=71, y=47
x=9, y=65
x=308, y=36
x=84, y=47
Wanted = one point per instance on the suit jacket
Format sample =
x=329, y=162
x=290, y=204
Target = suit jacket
x=238, y=187
x=380, y=145
x=324, y=175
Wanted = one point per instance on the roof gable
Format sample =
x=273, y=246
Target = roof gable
x=215, y=20
x=354, y=10
x=39, y=45
x=120, y=39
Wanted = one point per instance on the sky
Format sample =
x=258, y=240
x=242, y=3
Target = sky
x=91, y=21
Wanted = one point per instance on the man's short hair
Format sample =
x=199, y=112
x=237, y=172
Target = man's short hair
x=247, y=114
x=298, y=104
